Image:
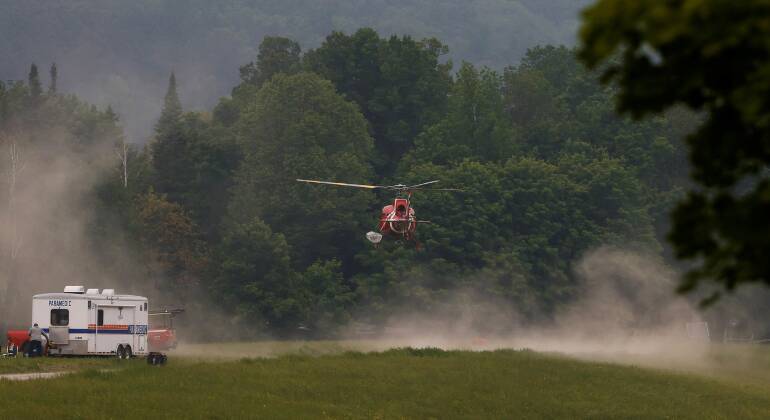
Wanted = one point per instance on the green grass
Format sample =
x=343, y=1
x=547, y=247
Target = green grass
x=411, y=383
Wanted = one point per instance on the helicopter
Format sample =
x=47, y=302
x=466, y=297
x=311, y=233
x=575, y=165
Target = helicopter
x=397, y=220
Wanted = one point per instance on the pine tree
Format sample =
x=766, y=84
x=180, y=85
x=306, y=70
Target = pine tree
x=171, y=115
x=34, y=82
x=54, y=74
x=110, y=114
x=169, y=150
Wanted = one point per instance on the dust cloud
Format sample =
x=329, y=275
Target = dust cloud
x=626, y=311
x=46, y=210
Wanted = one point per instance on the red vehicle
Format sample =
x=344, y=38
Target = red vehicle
x=17, y=342
x=162, y=335
x=397, y=220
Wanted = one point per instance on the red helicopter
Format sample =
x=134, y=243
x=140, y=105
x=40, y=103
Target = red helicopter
x=398, y=219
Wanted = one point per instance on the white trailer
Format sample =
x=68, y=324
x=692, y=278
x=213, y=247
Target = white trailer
x=89, y=322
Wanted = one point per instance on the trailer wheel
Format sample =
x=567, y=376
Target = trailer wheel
x=129, y=354
x=121, y=353
x=156, y=359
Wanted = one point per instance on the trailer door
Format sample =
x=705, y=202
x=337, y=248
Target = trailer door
x=95, y=320
x=129, y=318
x=140, y=329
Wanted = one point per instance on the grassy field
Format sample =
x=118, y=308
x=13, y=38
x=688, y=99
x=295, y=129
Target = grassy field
x=427, y=383
x=45, y=364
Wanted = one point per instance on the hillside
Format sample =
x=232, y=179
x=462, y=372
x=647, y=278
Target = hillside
x=120, y=53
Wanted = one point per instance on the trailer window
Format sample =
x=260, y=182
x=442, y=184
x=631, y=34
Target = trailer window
x=60, y=317
x=100, y=317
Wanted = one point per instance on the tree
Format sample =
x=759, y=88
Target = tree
x=475, y=125
x=713, y=57
x=171, y=114
x=298, y=127
x=121, y=151
x=331, y=298
x=253, y=276
x=175, y=251
x=537, y=107
x=54, y=76
x=33, y=80
x=276, y=55
x=205, y=161
x=171, y=164
x=399, y=83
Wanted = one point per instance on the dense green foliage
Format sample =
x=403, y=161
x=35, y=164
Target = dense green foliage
x=714, y=58
x=398, y=83
x=549, y=172
x=402, y=383
x=212, y=213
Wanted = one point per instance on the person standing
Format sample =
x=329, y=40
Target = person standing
x=36, y=341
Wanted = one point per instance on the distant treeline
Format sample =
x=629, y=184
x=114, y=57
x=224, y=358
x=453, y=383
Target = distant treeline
x=211, y=209
x=120, y=52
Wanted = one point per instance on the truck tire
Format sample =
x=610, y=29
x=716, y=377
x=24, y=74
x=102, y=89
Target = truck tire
x=128, y=352
x=121, y=353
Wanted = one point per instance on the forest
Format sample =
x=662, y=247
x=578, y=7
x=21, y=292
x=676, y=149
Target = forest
x=208, y=213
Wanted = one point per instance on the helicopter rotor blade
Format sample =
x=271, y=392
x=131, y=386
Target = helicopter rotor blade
x=341, y=184
x=399, y=187
x=438, y=189
x=422, y=185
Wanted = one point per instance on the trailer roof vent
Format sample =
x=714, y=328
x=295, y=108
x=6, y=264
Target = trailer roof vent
x=108, y=292
x=74, y=289
x=92, y=291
